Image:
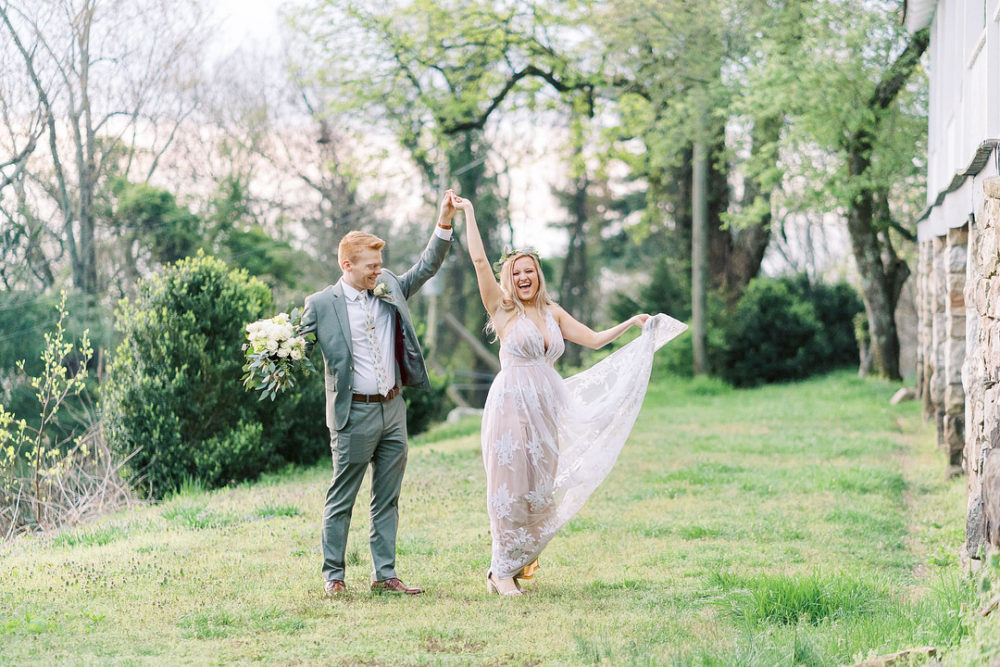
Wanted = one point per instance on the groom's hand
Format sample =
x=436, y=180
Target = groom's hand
x=447, y=210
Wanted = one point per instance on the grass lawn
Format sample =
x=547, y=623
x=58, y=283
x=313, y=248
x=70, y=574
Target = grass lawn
x=806, y=523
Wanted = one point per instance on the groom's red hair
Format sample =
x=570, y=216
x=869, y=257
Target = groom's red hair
x=355, y=242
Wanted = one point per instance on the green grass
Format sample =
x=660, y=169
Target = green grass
x=806, y=523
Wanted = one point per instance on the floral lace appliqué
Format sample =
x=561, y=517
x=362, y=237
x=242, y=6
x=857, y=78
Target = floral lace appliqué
x=504, y=448
x=501, y=502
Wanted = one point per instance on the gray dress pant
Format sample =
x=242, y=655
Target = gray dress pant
x=374, y=435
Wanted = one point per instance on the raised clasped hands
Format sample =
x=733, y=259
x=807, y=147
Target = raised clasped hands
x=450, y=205
x=448, y=209
x=462, y=204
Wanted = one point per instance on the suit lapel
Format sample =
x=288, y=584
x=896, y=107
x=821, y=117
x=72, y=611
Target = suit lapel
x=340, y=308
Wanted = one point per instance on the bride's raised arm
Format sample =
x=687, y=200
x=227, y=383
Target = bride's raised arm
x=578, y=332
x=489, y=289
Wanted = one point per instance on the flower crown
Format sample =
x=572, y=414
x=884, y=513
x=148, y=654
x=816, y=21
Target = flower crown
x=509, y=252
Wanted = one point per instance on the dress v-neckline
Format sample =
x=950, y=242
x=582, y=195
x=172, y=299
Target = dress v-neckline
x=545, y=340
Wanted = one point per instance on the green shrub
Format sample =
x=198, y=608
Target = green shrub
x=836, y=307
x=173, y=393
x=425, y=407
x=772, y=336
x=668, y=291
x=788, y=329
x=298, y=428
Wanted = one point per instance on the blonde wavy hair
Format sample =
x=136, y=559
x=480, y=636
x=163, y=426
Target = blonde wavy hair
x=510, y=301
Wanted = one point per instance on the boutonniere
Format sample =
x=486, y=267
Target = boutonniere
x=381, y=290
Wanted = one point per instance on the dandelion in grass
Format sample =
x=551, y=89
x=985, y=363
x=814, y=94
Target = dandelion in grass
x=275, y=352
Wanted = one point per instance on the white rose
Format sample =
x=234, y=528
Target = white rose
x=283, y=352
x=296, y=354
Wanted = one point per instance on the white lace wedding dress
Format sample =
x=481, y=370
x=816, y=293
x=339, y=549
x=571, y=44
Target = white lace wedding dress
x=548, y=442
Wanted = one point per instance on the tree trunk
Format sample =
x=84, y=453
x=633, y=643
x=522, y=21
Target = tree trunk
x=574, y=291
x=699, y=256
x=880, y=287
x=472, y=180
x=750, y=241
x=882, y=271
x=86, y=161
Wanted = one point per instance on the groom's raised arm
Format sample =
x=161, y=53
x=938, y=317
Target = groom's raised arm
x=437, y=249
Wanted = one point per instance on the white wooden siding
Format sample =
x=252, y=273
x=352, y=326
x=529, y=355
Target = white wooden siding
x=964, y=69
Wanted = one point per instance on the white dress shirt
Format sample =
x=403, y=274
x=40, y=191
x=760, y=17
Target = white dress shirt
x=364, y=361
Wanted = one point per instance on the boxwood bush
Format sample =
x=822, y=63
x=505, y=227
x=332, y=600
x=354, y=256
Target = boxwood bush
x=173, y=394
x=787, y=329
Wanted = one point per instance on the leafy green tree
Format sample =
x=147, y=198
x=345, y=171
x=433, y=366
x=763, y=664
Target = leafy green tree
x=823, y=94
x=152, y=228
x=851, y=86
x=233, y=233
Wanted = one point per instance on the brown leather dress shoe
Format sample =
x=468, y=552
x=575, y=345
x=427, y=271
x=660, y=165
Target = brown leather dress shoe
x=394, y=585
x=334, y=587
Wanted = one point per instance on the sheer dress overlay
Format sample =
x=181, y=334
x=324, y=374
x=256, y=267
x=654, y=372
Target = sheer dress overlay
x=548, y=442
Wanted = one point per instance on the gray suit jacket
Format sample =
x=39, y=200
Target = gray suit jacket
x=326, y=315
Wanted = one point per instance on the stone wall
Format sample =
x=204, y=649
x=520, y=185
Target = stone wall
x=952, y=434
x=982, y=376
x=937, y=289
x=941, y=336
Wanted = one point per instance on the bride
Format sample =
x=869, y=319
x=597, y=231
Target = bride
x=547, y=442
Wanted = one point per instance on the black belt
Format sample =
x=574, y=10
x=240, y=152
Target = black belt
x=375, y=398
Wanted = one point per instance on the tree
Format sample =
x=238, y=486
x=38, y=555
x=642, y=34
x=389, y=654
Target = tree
x=674, y=98
x=856, y=150
x=771, y=81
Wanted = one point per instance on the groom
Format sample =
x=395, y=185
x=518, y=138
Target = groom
x=363, y=326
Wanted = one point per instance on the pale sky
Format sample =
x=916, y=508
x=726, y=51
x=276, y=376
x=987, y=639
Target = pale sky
x=252, y=24
x=248, y=20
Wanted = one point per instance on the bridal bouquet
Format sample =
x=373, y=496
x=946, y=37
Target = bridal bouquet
x=275, y=350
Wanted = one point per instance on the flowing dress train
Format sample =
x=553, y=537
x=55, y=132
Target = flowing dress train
x=549, y=442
